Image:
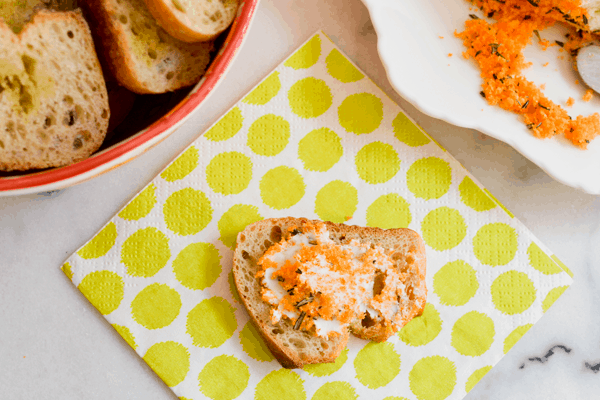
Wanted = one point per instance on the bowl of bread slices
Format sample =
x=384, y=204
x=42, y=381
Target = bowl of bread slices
x=87, y=85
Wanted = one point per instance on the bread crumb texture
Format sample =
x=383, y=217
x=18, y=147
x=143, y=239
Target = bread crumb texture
x=175, y=271
x=53, y=100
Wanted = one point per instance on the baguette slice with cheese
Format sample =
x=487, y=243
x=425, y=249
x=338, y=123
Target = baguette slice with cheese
x=295, y=348
x=194, y=20
x=53, y=101
x=139, y=53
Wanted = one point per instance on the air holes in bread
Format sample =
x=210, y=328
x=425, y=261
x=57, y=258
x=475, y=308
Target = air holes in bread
x=170, y=75
x=367, y=321
x=178, y=6
x=70, y=34
x=275, y=234
x=152, y=54
x=123, y=18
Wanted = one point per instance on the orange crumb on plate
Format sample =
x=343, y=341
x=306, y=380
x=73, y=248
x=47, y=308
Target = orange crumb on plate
x=588, y=95
x=449, y=54
x=570, y=102
x=545, y=65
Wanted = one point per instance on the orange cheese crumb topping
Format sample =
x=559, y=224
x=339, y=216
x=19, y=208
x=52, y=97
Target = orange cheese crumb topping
x=322, y=286
x=498, y=49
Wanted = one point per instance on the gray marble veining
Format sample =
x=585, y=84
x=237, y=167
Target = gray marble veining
x=53, y=345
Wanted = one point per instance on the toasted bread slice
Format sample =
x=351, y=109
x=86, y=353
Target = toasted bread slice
x=53, y=101
x=139, y=53
x=194, y=20
x=295, y=348
x=16, y=13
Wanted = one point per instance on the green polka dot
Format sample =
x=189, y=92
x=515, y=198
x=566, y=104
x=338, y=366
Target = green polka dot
x=336, y=202
x=233, y=289
x=265, y=91
x=389, y=211
x=67, y=269
x=141, y=205
x=282, y=187
x=268, y=135
x=455, y=283
x=187, y=211
x=515, y=336
x=278, y=382
x=422, y=329
x=104, y=289
x=126, y=334
x=145, y=252
x=253, y=344
x=377, y=364
x=552, y=296
x=476, y=377
x=429, y=178
x=230, y=124
x=325, y=369
x=224, y=378
x=473, y=334
x=235, y=220
x=341, y=69
x=211, y=322
x=156, y=306
x=310, y=97
x=443, y=228
x=433, y=378
x=182, y=166
x=320, y=150
x=335, y=390
x=407, y=132
x=540, y=260
x=474, y=197
x=495, y=244
x=377, y=163
x=170, y=361
x=306, y=56
x=197, y=266
x=513, y=292
x=229, y=173
x=360, y=113
x=100, y=244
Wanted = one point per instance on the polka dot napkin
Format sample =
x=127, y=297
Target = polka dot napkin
x=315, y=139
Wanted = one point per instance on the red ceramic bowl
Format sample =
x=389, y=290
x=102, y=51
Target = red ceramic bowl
x=124, y=150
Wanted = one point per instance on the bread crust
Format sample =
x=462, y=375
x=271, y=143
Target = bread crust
x=167, y=18
x=112, y=39
x=285, y=355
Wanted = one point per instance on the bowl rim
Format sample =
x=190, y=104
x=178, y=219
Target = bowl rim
x=127, y=150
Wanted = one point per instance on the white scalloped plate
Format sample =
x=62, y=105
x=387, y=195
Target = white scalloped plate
x=419, y=67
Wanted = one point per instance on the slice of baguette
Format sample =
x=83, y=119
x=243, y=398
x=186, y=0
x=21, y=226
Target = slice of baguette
x=53, y=102
x=139, y=53
x=295, y=348
x=16, y=13
x=194, y=20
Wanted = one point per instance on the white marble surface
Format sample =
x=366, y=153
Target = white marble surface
x=55, y=345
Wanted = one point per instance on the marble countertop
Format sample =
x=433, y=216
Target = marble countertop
x=55, y=345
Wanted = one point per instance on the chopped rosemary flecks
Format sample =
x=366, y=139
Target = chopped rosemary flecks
x=299, y=271
x=299, y=320
x=587, y=141
x=544, y=107
x=585, y=20
x=478, y=53
x=529, y=126
x=295, y=232
x=473, y=16
x=558, y=42
x=482, y=94
x=494, y=47
x=526, y=104
x=537, y=34
x=540, y=124
x=304, y=301
x=533, y=3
